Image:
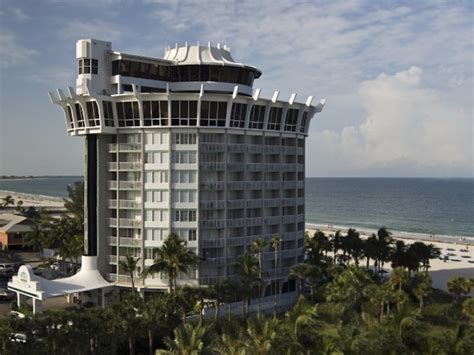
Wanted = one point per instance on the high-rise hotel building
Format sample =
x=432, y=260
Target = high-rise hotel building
x=185, y=144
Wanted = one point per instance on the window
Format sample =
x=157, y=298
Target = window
x=128, y=114
x=186, y=234
x=156, y=234
x=108, y=113
x=156, y=158
x=183, y=113
x=184, y=138
x=183, y=177
x=93, y=113
x=304, y=120
x=155, y=113
x=156, y=177
x=156, y=215
x=257, y=114
x=70, y=120
x=184, y=196
x=183, y=157
x=154, y=196
x=184, y=215
x=237, y=115
x=274, y=118
x=79, y=115
x=88, y=66
x=157, y=138
x=151, y=89
x=213, y=113
x=291, y=120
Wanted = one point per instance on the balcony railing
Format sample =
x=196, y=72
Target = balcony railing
x=124, y=222
x=212, y=243
x=235, y=203
x=257, y=221
x=212, y=166
x=272, y=220
x=112, y=241
x=130, y=242
x=236, y=185
x=236, y=223
x=124, y=147
x=213, y=185
x=125, y=166
x=212, y=147
x=125, y=204
x=217, y=223
x=212, y=204
x=236, y=148
x=131, y=185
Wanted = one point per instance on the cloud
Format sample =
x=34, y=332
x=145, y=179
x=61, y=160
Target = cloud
x=12, y=52
x=98, y=29
x=408, y=130
x=56, y=77
x=19, y=14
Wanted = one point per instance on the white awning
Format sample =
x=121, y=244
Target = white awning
x=87, y=279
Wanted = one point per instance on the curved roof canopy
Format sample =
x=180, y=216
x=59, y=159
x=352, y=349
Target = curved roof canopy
x=210, y=55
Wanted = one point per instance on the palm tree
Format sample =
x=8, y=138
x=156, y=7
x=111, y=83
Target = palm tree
x=384, y=250
x=75, y=201
x=370, y=249
x=276, y=240
x=257, y=246
x=300, y=315
x=248, y=272
x=37, y=238
x=188, y=340
x=8, y=200
x=354, y=245
x=261, y=335
x=468, y=309
x=459, y=286
x=154, y=313
x=172, y=258
x=301, y=272
x=422, y=287
x=398, y=277
x=225, y=292
x=129, y=265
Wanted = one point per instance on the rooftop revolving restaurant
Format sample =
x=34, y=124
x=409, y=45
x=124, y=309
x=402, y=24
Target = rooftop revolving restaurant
x=184, y=144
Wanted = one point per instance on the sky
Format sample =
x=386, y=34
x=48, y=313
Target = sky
x=397, y=76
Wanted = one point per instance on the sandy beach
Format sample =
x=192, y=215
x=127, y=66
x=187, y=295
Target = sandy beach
x=459, y=249
x=33, y=200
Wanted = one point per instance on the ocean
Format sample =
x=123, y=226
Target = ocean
x=418, y=205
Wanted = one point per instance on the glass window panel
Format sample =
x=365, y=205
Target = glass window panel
x=213, y=109
x=204, y=73
x=175, y=109
x=192, y=109
x=184, y=109
x=136, y=111
x=194, y=73
x=146, y=109
x=164, y=109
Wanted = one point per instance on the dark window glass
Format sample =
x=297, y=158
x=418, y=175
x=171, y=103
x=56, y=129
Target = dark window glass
x=151, y=89
x=214, y=73
x=81, y=65
x=291, y=119
x=127, y=88
x=237, y=115
x=145, y=70
x=79, y=115
x=163, y=72
x=146, y=109
x=136, y=111
x=257, y=113
x=128, y=110
x=153, y=71
x=192, y=109
x=155, y=109
x=125, y=67
x=184, y=109
x=222, y=109
x=120, y=111
x=173, y=73
x=213, y=110
x=274, y=118
x=205, y=109
x=183, y=73
x=69, y=117
x=164, y=109
x=204, y=73
x=194, y=73
x=115, y=67
x=175, y=109
x=134, y=69
x=225, y=74
x=304, y=120
x=233, y=74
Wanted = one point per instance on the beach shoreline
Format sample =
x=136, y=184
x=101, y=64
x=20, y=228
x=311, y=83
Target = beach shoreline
x=459, y=253
x=32, y=200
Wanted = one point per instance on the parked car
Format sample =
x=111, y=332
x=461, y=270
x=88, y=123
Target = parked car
x=7, y=269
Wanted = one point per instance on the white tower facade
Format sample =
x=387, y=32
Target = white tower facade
x=185, y=145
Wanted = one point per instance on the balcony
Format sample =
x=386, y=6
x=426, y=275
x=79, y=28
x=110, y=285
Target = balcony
x=273, y=149
x=255, y=166
x=254, y=185
x=130, y=242
x=212, y=147
x=258, y=221
x=288, y=201
x=272, y=184
x=217, y=223
x=236, y=166
x=235, y=203
x=124, y=222
x=125, y=166
x=272, y=202
x=212, y=205
x=125, y=185
x=212, y=243
x=236, y=185
x=256, y=148
x=272, y=220
x=213, y=185
x=289, y=219
x=220, y=261
x=237, y=148
x=112, y=241
x=235, y=223
x=255, y=203
x=212, y=166
x=211, y=280
x=112, y=259
x=125, y=204
x=124, y=147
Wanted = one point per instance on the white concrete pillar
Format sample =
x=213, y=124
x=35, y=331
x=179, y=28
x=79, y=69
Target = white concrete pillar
x=37, y=306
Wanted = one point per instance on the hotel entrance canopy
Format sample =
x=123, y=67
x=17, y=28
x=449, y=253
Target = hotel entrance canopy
x=88, y=278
